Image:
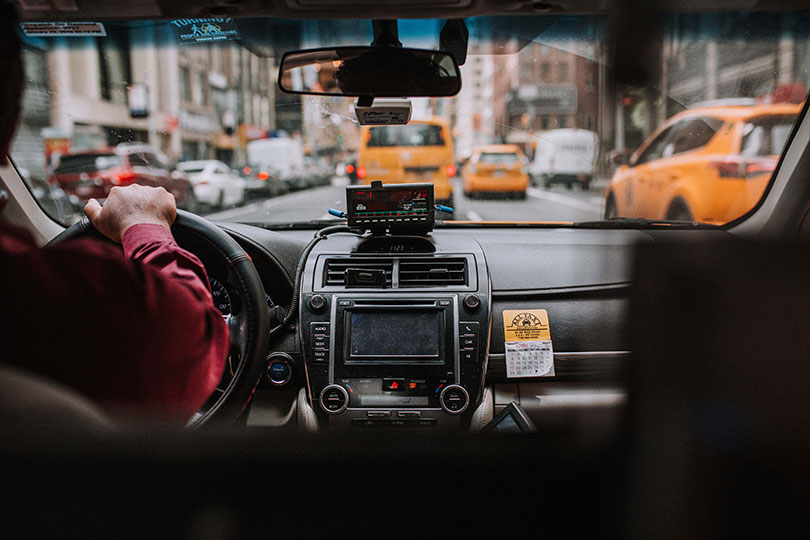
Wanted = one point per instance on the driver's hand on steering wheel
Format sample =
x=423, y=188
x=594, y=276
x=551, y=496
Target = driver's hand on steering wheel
x=131, y=205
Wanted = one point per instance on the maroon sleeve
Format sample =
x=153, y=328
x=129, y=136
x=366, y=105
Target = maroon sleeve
x=136, y=331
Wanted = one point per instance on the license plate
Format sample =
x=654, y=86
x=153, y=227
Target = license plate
x=499, y=172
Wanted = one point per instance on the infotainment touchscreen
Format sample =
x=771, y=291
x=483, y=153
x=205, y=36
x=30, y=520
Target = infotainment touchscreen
x=395, y=336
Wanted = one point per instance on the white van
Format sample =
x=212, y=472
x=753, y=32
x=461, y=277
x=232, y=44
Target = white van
x=282, y=158
x=565, y=156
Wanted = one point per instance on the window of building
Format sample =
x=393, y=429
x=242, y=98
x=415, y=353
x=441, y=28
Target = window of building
x=185, y=84
x=545, y=72
x=562, y=73
x=115, y=66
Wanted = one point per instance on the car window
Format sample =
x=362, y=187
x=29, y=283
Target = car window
x=498, y=157
x=410, y=135
x=766, y=136
x=139, y=159
x=87, y=163
x=655, y=148
x=690, y=135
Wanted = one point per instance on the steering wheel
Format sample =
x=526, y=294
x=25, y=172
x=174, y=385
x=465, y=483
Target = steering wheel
x=249, y=328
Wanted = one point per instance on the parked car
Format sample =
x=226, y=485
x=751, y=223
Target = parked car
x=279, y=157
x=565, y=156
x=496, y=169
x=215, y=184
x=708, y=164
x=317, y=171
x=93, y=173
x=262, y=182
x=421, y=151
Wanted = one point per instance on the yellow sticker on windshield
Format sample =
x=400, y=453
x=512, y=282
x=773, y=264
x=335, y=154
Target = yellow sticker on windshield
x=526, y=325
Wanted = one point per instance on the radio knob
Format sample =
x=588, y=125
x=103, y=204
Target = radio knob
x=471, y=301
x=317, y=302
x=454, y=399
x=334, y=399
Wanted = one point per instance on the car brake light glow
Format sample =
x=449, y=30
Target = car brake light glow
x=246, y=171
x=451, y=170
x=361, y=172
x=124, y=178
x=742, y=168
x=349, y=169
x=263, y=175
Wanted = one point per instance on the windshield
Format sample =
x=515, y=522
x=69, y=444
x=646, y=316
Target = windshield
x=697, y=141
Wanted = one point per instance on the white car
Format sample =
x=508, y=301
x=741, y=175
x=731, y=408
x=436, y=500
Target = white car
x=215, y=184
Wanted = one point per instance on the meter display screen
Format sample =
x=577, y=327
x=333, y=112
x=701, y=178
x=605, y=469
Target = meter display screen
x=405, y=206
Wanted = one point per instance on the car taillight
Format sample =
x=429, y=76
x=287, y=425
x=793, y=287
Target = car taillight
x=246, y=171
x=349, y=169
x=742, y=168
x=263, y=175
x=123, y=179
x=451, y=170
x=361, y=172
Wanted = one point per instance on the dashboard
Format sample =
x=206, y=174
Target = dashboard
x=408, y=332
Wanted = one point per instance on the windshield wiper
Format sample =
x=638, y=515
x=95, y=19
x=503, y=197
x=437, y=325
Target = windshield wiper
x=642, y=223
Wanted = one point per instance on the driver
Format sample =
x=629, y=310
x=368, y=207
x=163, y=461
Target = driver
x=134, y=329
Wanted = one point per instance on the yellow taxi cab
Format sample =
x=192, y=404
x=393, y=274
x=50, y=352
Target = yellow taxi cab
x=709, y=164
x=497, y=168
x=421, y=151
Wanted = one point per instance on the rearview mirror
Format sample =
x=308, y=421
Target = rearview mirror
x=370, y=71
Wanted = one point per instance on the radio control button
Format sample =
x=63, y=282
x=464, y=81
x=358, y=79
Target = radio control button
x=468, y=329
x=334, y=399
x=378, y=414
x=468, y=355
x=468, y=342
x=320, y=342
x=320, y=355
x=454, y=399
x=320, y=328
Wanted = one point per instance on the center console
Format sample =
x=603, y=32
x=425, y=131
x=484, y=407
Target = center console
x=395, y=330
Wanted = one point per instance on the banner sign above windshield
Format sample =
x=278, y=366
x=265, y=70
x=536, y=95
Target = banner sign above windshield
x=205, y=30
x=63, y=29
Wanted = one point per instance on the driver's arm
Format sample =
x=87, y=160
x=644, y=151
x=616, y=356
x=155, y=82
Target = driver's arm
x=135, y=331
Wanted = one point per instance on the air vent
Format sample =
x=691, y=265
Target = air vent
x=335, y=269
x=440, y=272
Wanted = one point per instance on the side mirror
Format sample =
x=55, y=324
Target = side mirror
x=621, y=157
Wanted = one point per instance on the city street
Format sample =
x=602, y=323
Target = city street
x=553, y=204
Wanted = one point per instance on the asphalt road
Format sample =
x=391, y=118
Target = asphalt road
x=554, y=204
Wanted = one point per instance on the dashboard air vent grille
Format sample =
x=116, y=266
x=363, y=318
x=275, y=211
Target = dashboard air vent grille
x=440, y=272
x=335, y=269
